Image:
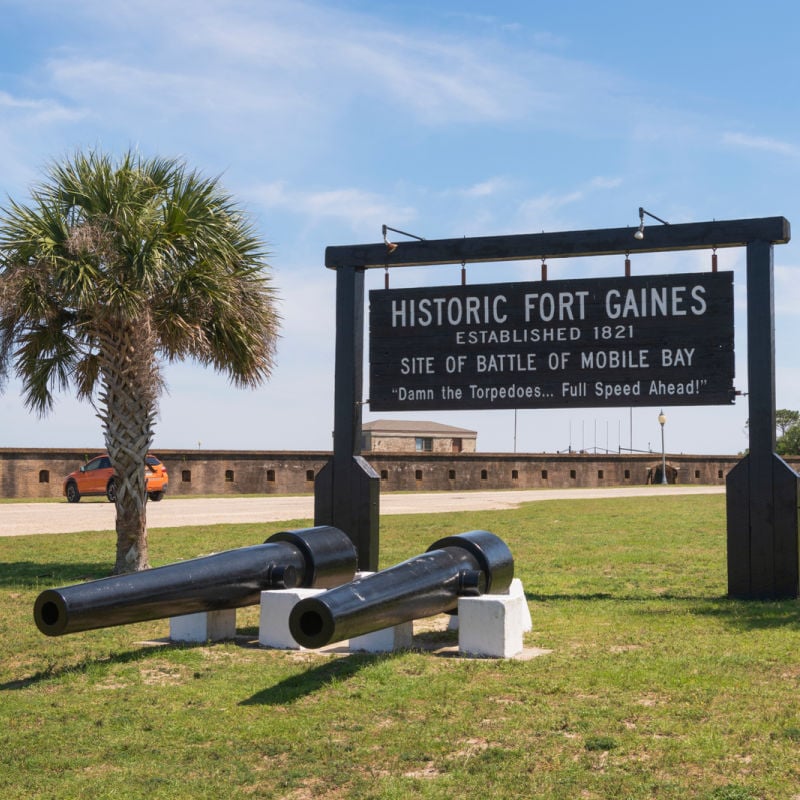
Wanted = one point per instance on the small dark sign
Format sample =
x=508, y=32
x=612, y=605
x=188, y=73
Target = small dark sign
x=657, y=340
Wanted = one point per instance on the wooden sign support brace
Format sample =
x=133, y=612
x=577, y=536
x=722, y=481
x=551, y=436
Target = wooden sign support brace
x=762, y=490
x=346, y=489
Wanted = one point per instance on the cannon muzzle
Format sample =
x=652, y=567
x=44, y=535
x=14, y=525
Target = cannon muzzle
x=466, y=564
x=311, y=557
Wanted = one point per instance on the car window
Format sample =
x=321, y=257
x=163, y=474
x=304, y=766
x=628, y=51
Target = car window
x=94, y=464
x=152, y=461
x=105, y=462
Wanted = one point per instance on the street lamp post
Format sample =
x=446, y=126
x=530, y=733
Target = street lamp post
x=661, y=420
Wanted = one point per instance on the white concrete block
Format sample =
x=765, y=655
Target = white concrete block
x=204, y=626
x=516, y=590
x=491, y=625
x=276, y=605
x=398, y=637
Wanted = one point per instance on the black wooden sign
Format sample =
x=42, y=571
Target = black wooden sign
x=658, y=340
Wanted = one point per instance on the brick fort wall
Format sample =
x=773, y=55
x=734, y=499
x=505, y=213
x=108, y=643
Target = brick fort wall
x=39, y=473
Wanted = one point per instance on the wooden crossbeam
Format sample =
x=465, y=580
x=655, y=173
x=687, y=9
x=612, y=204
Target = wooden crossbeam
x=566, y=244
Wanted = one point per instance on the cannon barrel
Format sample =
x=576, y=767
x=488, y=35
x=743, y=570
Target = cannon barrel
x=311, y=557
x=465, y=564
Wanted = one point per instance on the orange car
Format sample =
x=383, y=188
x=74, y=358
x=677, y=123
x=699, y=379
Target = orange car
x=98, y=478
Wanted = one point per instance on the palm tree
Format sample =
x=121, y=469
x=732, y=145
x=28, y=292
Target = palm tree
x=113, y=268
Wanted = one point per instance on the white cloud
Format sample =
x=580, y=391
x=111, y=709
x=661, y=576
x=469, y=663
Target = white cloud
x=487, y=188
x=360, y=210
x=40, y=109
x=602, y=182
x=24, y=113
x=539, y=208
x=763, y=143
x=279, y=56
x=540, y=212
x=103, y=85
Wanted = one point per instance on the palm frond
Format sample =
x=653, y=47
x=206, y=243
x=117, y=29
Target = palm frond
x=120, y=241
x=45, y=359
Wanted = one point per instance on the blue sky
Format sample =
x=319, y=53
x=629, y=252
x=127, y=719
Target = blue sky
x=328, y=119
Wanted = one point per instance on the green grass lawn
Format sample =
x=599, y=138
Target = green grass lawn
x=656, y=685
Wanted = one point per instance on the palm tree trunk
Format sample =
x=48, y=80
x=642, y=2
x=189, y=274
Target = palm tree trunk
x=128, y=410
x=131, y=527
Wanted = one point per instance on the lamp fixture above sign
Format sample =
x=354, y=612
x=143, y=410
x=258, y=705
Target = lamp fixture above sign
x=640, y=231
x=392, y=246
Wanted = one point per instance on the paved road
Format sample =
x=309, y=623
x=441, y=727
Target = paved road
x=18, y=519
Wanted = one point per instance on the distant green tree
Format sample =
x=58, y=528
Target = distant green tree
x=116, y=266
x=785, y=419
x=789, y=443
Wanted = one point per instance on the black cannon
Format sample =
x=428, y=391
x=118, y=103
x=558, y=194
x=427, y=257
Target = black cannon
x=467, y=564
x=311, y=557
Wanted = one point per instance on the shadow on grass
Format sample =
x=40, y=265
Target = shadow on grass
x=742, y=614
x=753, y=615
x=142, y=654
x=549, y=598
x=614, y=598
x=312, y=680
x=31, y=574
